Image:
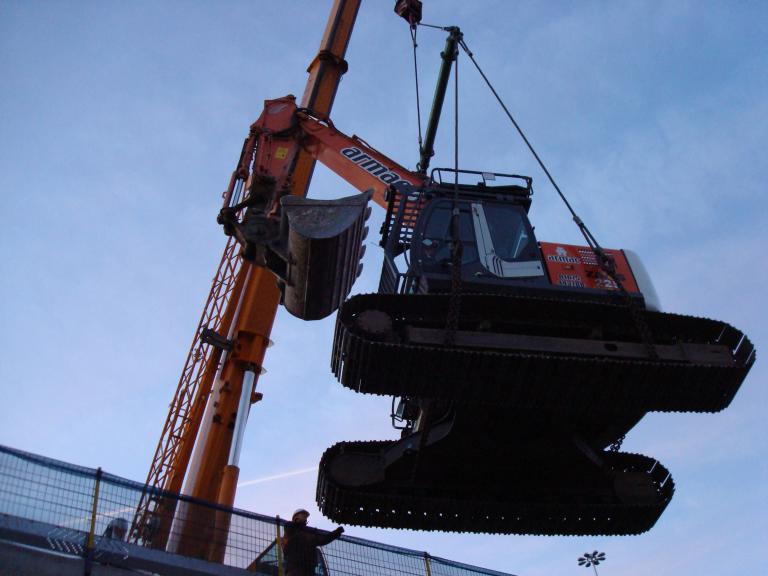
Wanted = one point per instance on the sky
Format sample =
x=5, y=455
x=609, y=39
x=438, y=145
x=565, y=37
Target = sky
x=121, y=122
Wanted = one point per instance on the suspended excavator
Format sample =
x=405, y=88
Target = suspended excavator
x=516, y=366
x=517, y=389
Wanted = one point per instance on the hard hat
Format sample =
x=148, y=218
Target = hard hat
x=299, y=511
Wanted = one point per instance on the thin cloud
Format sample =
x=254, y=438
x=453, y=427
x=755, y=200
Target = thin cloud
x=277, y=476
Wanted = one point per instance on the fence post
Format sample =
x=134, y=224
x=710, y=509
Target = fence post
x=279, y=546
x=89, y=546
x=427, y=567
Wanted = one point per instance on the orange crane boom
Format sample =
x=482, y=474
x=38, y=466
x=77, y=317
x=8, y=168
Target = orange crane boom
x=242, y=305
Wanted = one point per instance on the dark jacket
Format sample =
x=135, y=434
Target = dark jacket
x=300, y=548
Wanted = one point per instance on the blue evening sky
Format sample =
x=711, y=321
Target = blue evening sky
x=120, y=123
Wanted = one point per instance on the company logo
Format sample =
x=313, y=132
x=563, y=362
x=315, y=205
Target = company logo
x=563, y=259
x=561, y=256
x=371, y=165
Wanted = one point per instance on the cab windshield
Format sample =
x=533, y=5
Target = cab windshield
x=507, y=229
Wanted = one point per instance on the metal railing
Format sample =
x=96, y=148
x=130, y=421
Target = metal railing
x=86, y=512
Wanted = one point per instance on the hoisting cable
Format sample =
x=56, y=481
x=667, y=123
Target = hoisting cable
x=414, y=27
x=593, y=244
x=435, y=26
x=454, y=303
x=605, y=262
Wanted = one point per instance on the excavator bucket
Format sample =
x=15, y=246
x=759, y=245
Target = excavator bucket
x=321, y=249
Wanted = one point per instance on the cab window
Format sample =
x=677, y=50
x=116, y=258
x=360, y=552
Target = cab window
x=508, y=231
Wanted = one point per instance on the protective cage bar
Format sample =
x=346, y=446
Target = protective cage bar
x=50, y=504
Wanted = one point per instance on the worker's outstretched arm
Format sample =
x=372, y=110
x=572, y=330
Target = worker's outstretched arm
x=323, y=538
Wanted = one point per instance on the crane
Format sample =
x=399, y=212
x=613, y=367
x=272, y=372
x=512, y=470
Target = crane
x=195, y=451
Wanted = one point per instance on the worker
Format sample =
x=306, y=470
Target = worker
x=300, y=544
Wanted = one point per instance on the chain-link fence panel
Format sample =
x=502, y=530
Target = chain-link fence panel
x=86, y=512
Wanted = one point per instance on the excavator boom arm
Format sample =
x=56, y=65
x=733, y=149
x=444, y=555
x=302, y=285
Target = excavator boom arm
x=284, y=131
x=312, y=246
x=350, y=157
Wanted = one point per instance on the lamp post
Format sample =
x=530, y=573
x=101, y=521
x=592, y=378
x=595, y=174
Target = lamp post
x=592, y=560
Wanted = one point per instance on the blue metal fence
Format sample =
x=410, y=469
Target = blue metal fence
x=84, y=512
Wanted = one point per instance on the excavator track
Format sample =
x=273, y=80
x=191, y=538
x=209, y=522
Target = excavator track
x=435, y=505
x=537, y=351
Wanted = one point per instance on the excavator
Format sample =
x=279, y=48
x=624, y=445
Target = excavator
x=516, y=366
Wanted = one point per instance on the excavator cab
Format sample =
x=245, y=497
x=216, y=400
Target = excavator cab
x=499, y=250
x=497, y=240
